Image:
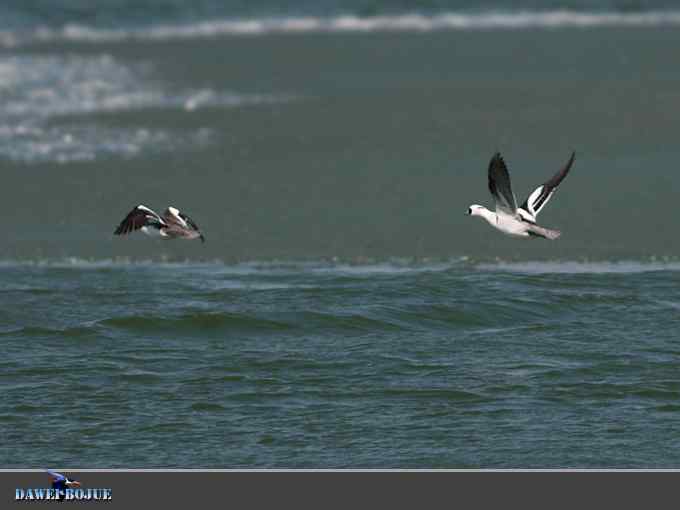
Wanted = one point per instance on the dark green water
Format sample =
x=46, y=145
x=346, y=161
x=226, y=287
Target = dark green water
x=344, y=311
x=312, y=365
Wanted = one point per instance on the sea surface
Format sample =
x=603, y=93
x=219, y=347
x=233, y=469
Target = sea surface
x=344, y=312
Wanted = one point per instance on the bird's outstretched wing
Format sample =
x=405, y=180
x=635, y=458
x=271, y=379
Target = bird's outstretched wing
x=499, y=185
x=541, y=195
x=174, y=215
x=193, y=225
x=140, y=216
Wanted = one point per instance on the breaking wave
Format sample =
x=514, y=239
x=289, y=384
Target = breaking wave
x=354, y=268
x=571, y=267
x=40, y=90
x=406, y=22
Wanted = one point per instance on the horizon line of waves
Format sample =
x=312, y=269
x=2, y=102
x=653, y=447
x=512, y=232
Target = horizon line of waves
x=358, y=267
x=199, y=322
x=348, y=23
x=581, y=267
x=196, y=322
x=75, y=331
x=435, y=393
x=229, y=322
x=450, y=316
x=263, y=267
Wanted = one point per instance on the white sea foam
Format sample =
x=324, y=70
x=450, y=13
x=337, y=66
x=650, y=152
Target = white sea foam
x=233, y=270
x=387, y=268
x=574, y=267
x=239, y=285
x=88, y=142
x=236, y=269
x=406, y=22
x=58, y=85
x=36, y=89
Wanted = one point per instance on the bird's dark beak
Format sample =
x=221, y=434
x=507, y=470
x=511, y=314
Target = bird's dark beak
x=202, y=238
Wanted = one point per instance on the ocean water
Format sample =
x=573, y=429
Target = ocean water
x=307, y=365
x=344, y=311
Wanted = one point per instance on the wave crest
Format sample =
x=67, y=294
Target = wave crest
x=407, y=22
x=571, y=267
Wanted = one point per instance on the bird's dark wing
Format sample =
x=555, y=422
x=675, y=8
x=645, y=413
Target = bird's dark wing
x=541, y=195
x=189, y=222
x=499, y=185
x=139, y=217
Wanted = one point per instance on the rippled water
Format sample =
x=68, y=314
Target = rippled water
x=453, y=364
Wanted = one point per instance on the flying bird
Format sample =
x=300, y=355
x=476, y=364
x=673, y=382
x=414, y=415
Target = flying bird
x=171, y=225
x=510, y=219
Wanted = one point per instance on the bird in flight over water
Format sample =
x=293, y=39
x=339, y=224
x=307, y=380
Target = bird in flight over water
x=173, y=224
x=510, y=219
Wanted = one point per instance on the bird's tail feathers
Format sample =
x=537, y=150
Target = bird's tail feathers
x=546, y=233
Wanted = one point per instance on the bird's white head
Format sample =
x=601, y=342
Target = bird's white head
x=477, y=210
x=173, y=210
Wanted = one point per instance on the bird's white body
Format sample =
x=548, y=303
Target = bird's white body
x=507, y=224
x=153, y=232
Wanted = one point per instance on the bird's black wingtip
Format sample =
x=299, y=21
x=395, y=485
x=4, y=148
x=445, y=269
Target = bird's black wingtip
x=497, y=160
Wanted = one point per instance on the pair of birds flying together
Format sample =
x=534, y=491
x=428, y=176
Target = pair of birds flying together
x=508, y=217
x=172, y=225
